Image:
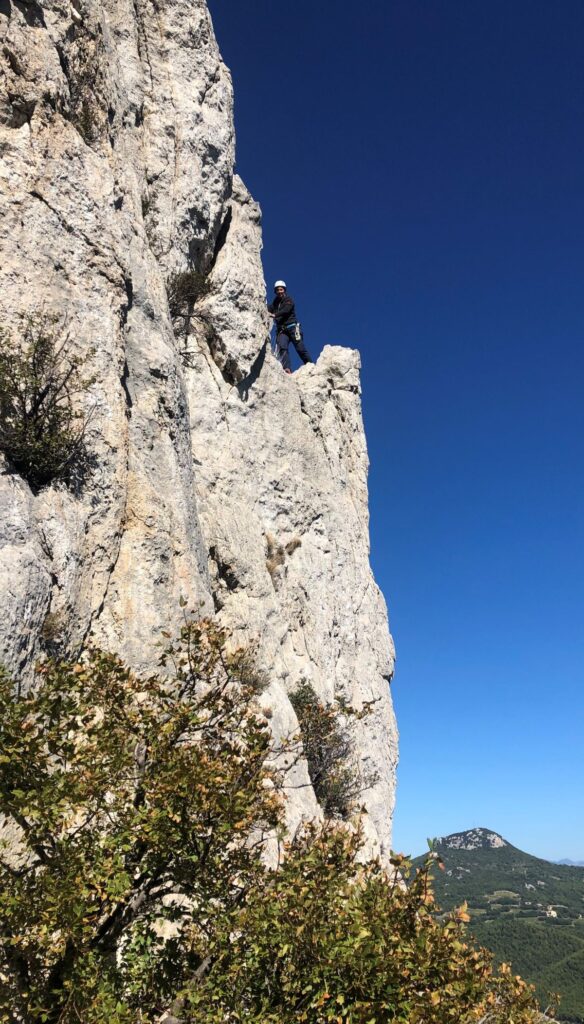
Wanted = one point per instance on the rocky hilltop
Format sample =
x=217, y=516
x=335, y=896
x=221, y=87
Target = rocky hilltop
x=213, y=477
x=472, y=839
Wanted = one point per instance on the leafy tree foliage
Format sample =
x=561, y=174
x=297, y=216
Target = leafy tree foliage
x=326, y=939
x=139, y=806
x=41, y=430
x=134, y=883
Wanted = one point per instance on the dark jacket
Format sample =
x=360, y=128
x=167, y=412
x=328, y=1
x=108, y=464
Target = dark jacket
x=284, y=311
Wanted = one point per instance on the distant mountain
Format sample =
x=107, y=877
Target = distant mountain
x=572, y=863
x=529, y=911
x=473, y=839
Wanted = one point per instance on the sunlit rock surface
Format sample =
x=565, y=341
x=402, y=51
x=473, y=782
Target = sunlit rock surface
x=117, y=171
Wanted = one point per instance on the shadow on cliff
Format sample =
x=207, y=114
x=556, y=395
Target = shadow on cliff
x=244, y=386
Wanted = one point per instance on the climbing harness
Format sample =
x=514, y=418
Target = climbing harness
x=294, y=331
x=298, y=333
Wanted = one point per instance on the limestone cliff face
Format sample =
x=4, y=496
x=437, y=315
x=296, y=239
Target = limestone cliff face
x=117, y=156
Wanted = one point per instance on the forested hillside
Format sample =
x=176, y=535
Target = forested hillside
x=528, y=911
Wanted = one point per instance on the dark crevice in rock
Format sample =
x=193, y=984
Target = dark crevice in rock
x=126, y=306
x=138, y=32
x=161, y=374
x=5, y=8
x=50, y=102
x=225, y=573
x=222, y=236
x=129, y=295
x=125, y=309
x=310, y=419
x=124, y=381
x=13, y=62
x=213, y=80
x=224, y=578
x=31, y=12
x=17, y=112
x=230, y=371
x=63, y=62
x=225, y=363
x=199, y=256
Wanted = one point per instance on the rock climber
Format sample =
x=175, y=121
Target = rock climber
x=288, y=329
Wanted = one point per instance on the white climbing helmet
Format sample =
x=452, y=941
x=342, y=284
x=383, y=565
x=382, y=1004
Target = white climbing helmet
x=279, y=284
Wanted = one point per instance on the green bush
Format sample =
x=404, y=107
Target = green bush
x=53, y=633
x=328, y=940
x=184, y=289
x=329, y=751
x=140, y=813
x=139, y=807
x=41, y=430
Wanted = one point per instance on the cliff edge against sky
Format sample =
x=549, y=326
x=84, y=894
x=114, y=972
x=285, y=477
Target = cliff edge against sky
x=117, y=173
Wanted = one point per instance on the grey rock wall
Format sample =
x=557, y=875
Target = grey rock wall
x=117, y=171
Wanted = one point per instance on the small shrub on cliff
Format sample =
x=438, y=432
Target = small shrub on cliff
x=276, y=552
x=184, y=289
x=329, y=751
x=41, y=430
x=53, y=634
x=293, y=545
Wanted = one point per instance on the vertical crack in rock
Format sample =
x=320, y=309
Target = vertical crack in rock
x=142, y=41
x=222, y=236
x=124, y=381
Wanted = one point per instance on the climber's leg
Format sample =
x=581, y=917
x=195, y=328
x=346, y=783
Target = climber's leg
x=282, y=342
x=300, y=348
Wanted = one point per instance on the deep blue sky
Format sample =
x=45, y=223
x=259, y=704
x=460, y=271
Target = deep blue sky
x=420, y=166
